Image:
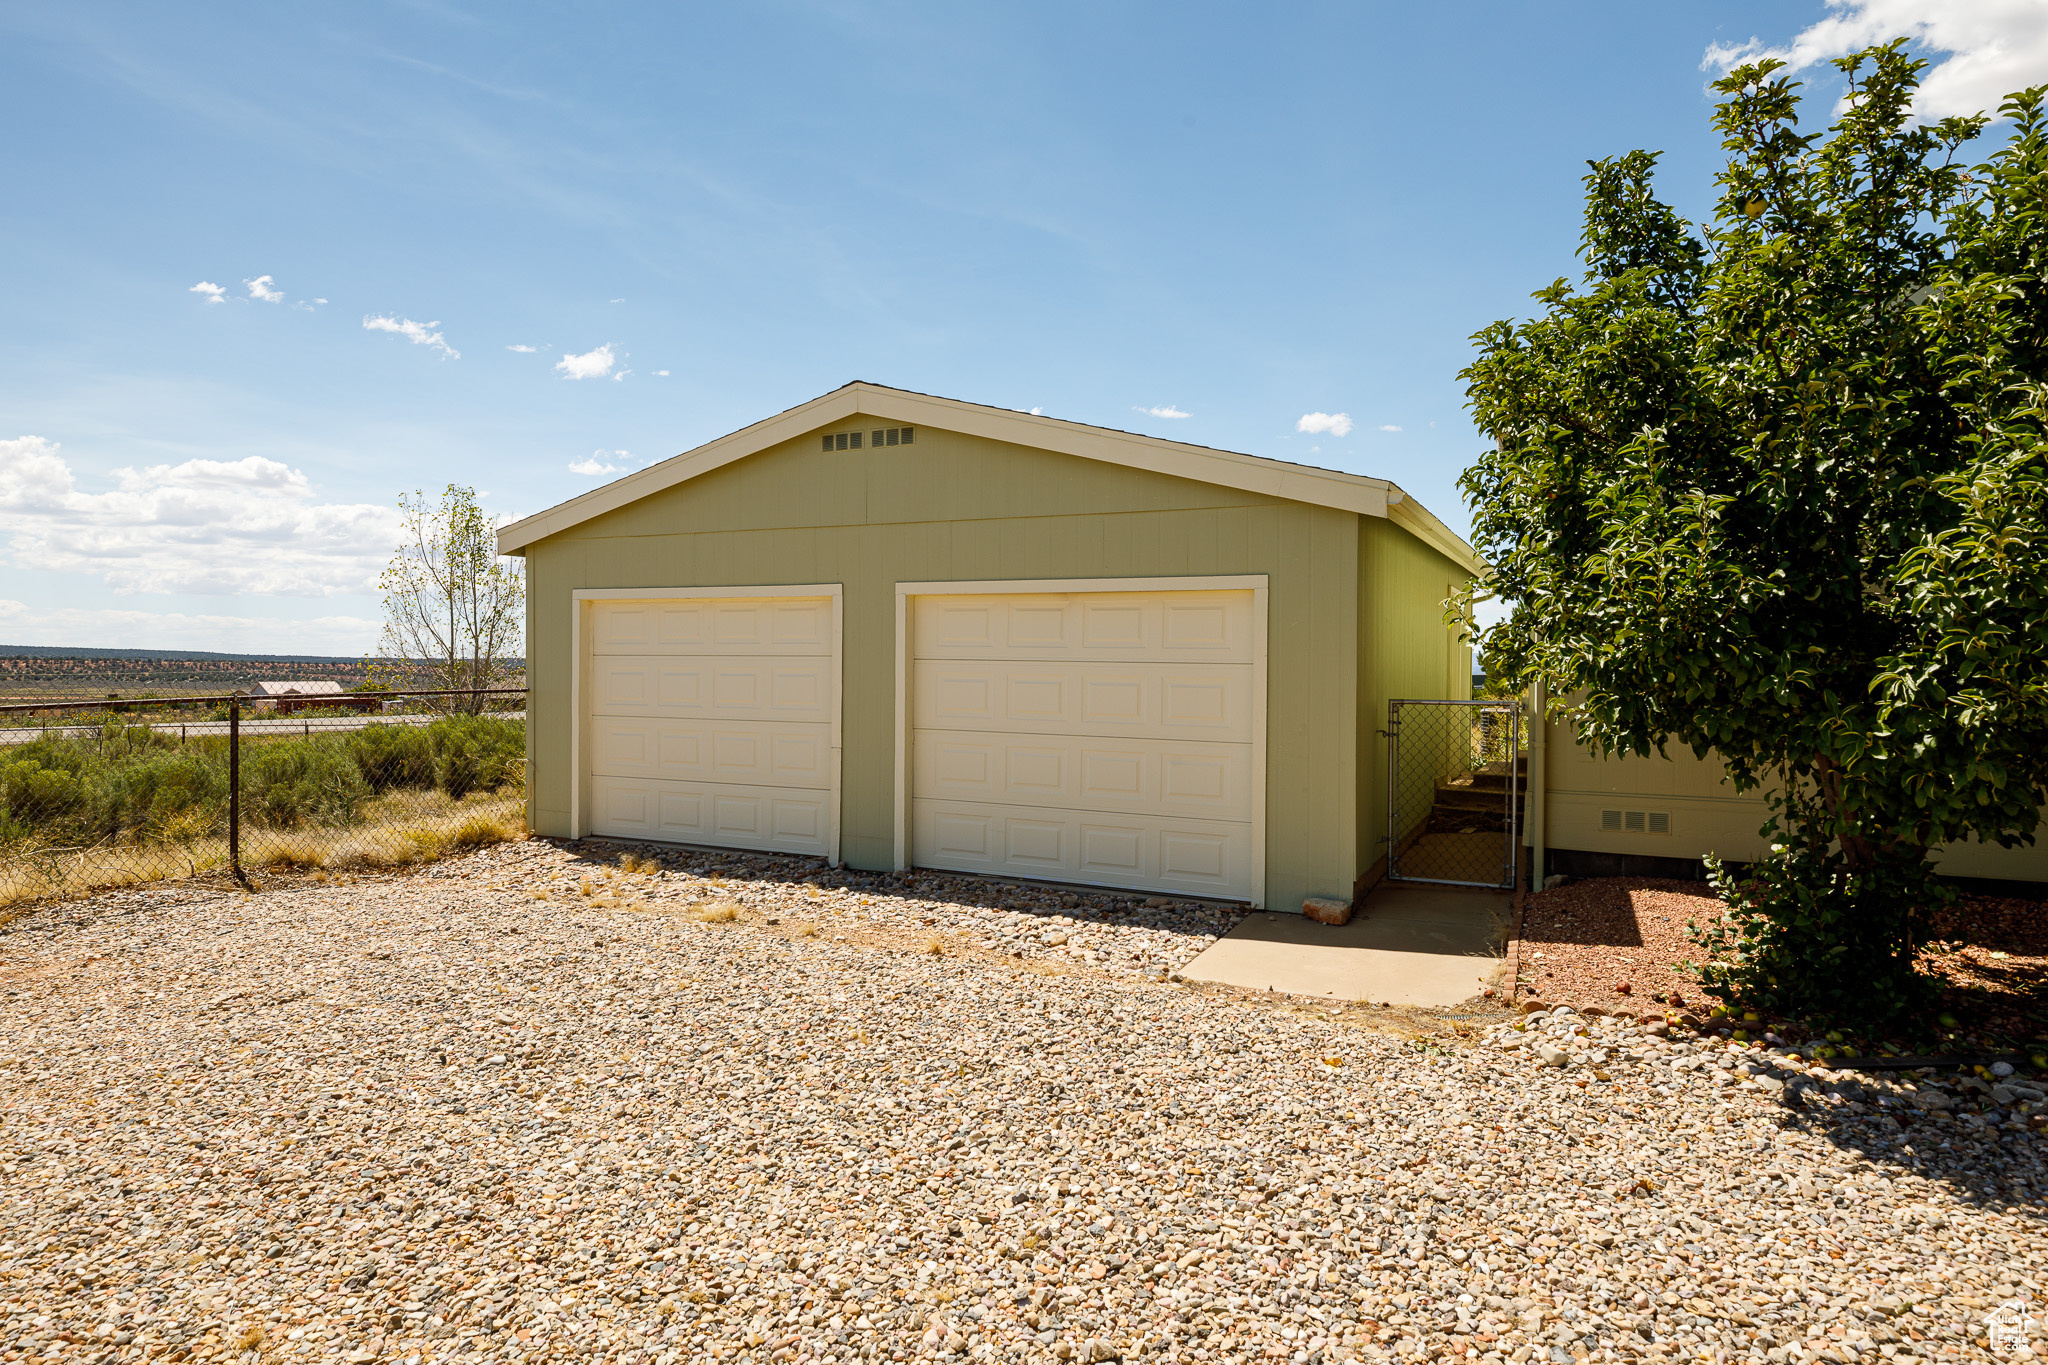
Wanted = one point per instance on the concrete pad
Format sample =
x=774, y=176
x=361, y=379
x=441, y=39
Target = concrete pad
x=1456, y=857
x=1407, y=945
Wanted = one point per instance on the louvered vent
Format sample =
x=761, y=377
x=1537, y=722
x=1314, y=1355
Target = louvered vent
x=892, y=436
x=843, y=440
x=1635, y=822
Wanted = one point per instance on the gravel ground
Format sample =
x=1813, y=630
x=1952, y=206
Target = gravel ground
x=733, y=1114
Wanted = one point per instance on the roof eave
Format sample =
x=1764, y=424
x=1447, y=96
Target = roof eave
x=1250, y=473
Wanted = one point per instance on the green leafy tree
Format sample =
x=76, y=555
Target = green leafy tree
x=1777, y=487
x=454, y=609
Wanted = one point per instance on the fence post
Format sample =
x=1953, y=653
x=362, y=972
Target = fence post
x=235, y=793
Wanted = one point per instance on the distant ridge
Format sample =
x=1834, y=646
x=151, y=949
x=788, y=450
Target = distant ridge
x=175, y=655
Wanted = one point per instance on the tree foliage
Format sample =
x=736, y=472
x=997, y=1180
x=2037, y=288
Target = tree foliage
x=1777, y=487
x=454, y=609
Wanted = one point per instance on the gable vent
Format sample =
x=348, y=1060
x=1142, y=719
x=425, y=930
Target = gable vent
x=892, y=436
x=1635, y=822
x=842, y=440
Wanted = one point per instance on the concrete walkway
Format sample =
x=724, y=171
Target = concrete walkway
x=1407, y=945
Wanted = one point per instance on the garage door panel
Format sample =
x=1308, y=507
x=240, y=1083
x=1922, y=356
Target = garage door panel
x=713, y=626
x=790, y=820
x=1104, y=738
x=1196, y=702
x=1205, y=626
x=1171, y=777
x=710, y=720
x=794, y=689
x=770, y=754
x=1196, y=857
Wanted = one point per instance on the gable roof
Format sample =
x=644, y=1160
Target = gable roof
x=1227, y=469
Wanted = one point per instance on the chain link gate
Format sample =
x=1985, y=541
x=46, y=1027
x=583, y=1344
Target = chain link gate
x=1455, y=782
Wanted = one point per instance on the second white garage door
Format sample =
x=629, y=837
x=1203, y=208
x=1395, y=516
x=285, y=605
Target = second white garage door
x=1105, y=738
x=714, y=721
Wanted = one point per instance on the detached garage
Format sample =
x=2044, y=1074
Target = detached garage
x=902, y=631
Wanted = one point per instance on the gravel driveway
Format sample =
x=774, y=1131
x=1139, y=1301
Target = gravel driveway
x=717, y=1111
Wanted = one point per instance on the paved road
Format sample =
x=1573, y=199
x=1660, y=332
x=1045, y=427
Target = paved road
x=297, y=725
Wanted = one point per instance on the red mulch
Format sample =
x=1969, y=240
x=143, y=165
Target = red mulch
x=1614, y=942
x=1995, y=956
x=1617, y=942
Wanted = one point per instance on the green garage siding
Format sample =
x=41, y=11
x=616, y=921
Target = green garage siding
x=1405, y=650
x=954, y=506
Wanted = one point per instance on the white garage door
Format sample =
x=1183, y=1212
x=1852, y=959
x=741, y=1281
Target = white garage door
x=711, y=721
x=1102, y=738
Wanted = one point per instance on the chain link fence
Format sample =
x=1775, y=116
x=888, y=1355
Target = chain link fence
x=113, y=793
x=1456, y=777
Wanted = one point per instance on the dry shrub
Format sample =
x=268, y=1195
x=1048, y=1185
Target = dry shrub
x=399, y=831
x=718, y=912
x=287, y=851
x=807, y=931
x=450, y=827
x=936, y=947
x=53, y=876
x=485, y=828
x=249, y=1338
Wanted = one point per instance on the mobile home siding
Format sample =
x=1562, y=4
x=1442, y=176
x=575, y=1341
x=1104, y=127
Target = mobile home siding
x=1707, y=814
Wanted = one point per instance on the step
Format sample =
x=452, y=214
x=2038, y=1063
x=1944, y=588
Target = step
x=1473, y=801
x=1451, y=791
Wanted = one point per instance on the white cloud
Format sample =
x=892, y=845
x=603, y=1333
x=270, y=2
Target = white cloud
x=1038, y=412
x=662, y=373
x=1168, y=411
x=1334, y=423
x=600, y=463
x=417, y=332
x=319, y=300
x=590, y=365
x=214, y=293
x=618, y=300
x=263, y=288
x=1390, y=427
x=523, y=350
x=205, y=526
x=106, y=628
x=1993, y=47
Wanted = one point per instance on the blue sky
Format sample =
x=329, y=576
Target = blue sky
x=697, y=216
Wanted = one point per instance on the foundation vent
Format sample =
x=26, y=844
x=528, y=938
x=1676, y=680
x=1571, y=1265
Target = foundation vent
x=1635, y=822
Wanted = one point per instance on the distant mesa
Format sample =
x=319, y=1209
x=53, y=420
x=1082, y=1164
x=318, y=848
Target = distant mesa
x=177, y=655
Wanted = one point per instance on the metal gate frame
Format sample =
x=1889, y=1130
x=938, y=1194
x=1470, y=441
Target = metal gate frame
x=1510, y=752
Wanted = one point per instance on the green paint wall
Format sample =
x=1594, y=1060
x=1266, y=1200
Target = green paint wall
x=1405, y=650
x=953, y=507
